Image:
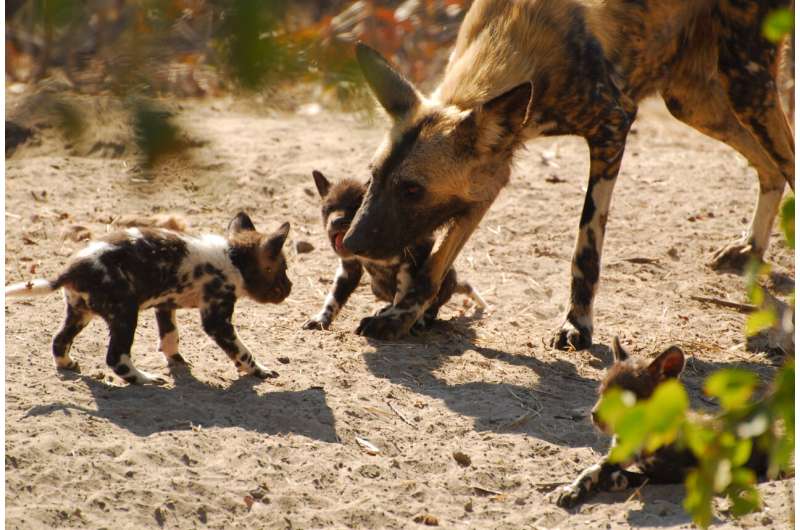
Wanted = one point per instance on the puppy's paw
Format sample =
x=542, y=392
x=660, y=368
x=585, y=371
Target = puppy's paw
x=317, y=324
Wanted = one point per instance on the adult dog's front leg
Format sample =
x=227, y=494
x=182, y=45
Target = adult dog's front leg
x=576, y=331
x=397, y=321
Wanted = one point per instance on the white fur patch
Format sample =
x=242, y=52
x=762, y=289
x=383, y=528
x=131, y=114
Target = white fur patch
x=404, y=282
x=93, y=250
x=134, y=233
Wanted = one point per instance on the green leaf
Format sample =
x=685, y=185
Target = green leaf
x=778, y=24
x=787, y=220
x=760, y=320
x=614, y=405
x=743, y=493
x=733, y=387
x=698, y=498
x=666, y=411
x=631, y=433
x=699, y=438
x=741, y=452
x=722, y=475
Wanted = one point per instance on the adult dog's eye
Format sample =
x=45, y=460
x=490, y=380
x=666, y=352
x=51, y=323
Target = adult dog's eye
x=412, y=190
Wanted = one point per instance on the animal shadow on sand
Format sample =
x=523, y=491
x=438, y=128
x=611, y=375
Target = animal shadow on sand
x=145, y=410
x=555, y=409
x=550, y=410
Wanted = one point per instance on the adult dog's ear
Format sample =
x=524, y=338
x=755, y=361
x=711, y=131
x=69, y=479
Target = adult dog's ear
x=395, y=93
x=240, y=223
x=323, y=184
x=498, y=123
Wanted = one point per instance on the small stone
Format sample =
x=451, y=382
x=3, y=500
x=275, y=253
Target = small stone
x=303, y=247
x=427, y=519
x=463, y=459
x=283, y=360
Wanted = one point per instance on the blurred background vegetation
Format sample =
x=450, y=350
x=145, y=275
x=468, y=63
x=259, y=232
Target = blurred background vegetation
x=139, y=53
x=206, y=47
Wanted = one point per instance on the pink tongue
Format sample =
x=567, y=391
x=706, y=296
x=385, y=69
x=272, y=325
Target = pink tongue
x=338, y=241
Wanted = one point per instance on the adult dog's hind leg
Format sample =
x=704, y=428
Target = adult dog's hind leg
x=703, y=104
x=606, y=156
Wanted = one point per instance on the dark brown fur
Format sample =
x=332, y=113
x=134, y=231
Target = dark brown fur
x=340, y=202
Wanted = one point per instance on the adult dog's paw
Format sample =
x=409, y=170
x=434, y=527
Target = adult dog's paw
x=317, y=324
x=733, y=258
x=382, y=327
x=569, y=337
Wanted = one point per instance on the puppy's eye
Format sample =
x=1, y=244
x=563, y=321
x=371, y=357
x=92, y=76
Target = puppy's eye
x=411, y=190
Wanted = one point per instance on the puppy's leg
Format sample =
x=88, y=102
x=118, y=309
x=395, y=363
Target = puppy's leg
x=122, y=320
x=168, y=336
x=348, y=275
x=77, y=318
x=470, y=292
x=599, y=477
x=217, y=324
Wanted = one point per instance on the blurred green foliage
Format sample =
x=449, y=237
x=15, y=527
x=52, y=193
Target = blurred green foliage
x=722, y=444
x=778, y=24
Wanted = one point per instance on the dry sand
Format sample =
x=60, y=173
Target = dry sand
x=210, y=450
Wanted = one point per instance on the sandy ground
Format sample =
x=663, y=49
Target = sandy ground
x=210, y=450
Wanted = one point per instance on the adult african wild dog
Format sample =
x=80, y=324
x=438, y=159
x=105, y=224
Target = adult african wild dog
x=552, y=67
x=117, y=275
x=667, y=465
x=389, y=277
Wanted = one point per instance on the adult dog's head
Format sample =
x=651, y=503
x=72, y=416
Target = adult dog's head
x=436, y=163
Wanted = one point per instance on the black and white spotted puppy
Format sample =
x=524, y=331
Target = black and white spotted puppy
x=116, y=276
x=668, y=464
x=389, y=278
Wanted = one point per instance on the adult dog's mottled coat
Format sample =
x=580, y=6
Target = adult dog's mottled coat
x=525, y=68
x=138, y=268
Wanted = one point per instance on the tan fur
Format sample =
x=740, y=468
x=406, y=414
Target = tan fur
x=589, y=63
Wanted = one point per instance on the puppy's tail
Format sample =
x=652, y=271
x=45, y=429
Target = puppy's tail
x=468, y=290
x=35, y=287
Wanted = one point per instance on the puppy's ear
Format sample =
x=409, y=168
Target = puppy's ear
x=668, y=364
x=240, y=223
x=323, y=185
x=273, y=245
x=619, y=352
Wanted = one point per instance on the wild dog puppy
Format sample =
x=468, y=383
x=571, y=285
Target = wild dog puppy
x=116, y=276
x=527, y=68
x=390, y=277
x=667, y=465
